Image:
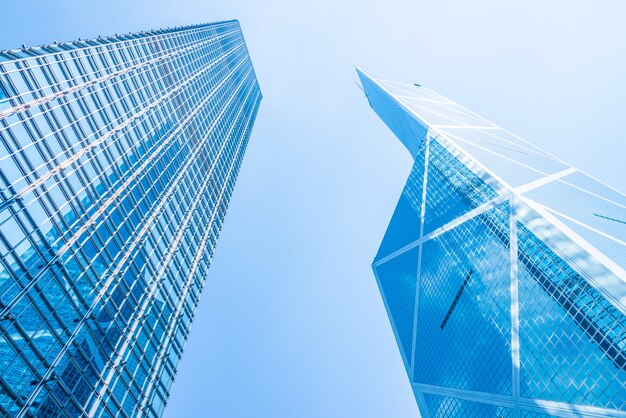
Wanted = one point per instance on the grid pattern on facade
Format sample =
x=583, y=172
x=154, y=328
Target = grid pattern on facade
x=119, y=156
x=562, y=321
x=464, y=295
x=519, y=288
x=452, y=189
x=397, y=280
x=444, y=407
x=529, y=414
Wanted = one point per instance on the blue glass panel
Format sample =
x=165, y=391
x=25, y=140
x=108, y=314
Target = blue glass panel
x=404, y=227
x=572, y=341
x=452, y=189
x=463, y=328
x=446, y=407
x=530, y=414
x=396, y=279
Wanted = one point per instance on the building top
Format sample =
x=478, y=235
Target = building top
x=590, y=214
x=28, y=52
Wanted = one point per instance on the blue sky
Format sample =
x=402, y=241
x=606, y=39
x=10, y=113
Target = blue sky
x=291, y=323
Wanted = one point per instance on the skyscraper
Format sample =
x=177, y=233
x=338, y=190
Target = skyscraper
x=118, y=159
x=502, y=269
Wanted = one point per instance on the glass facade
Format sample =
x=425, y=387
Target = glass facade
x=502, y=269
x=118, y=159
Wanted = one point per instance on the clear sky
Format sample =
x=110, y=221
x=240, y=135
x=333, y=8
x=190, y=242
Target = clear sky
x=291, y=323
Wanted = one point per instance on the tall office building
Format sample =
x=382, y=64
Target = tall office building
x=503, y=269
x=118, y=159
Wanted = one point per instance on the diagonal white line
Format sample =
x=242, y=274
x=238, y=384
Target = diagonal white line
x=547, y=179
x=450, y=225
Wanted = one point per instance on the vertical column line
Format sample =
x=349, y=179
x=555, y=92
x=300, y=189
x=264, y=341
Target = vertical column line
x=515, y=346
x=419, y=398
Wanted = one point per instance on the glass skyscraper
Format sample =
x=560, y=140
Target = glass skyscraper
x=118, y=159
x=503, y=269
